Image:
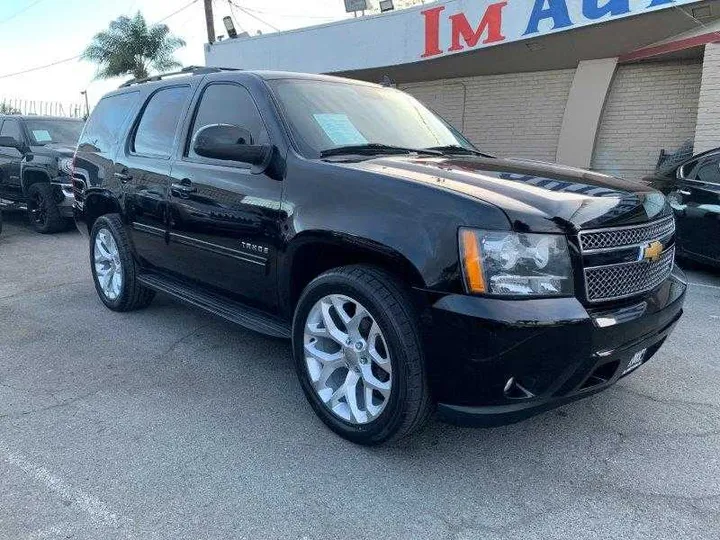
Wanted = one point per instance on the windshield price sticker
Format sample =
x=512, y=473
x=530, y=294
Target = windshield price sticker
x=41, y=135
x=339, y=129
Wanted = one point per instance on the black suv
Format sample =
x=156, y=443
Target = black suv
x=410, y=270
x=35, y=163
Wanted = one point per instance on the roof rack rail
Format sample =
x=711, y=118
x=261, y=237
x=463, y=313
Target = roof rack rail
x=189, y=70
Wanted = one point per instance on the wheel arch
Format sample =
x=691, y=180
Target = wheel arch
x=32, y=176
x=313, y=252
x=98, y=203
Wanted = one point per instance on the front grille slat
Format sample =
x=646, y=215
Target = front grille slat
x=626, y=279
x=623, y=280
x=618, y=237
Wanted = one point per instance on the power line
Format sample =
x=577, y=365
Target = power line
x=38, y=68
x=246, y=12
x=76, y=57
x=23, y=10
x=234, y=15
x=290, y=15
x=177, y=11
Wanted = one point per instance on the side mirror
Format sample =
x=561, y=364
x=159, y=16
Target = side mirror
x=11, y=142
x=231, y=143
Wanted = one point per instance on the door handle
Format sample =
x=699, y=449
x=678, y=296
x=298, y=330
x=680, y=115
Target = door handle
x=684, y=192
x=123, y=177
x=184, y=187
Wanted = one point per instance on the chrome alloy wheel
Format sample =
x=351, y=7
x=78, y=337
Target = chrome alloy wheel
x=107, y=264
x=347, y=359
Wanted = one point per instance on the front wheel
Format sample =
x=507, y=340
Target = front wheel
x=359, y=355
x=43, y=210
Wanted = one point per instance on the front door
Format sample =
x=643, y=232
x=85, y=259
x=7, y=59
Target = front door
x=224, y=218
x=10, y=159
x=143, y=170
x=700, y=215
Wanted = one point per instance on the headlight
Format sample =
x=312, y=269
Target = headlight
x=65, y=165
x=515, y=264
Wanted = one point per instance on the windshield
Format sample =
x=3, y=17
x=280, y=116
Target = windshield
x=326, y=114
x=44, y=132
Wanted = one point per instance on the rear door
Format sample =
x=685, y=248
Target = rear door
x=700, y=196
x=10, y=159
x=95, y=155
x=143, y=168
x=225, y=217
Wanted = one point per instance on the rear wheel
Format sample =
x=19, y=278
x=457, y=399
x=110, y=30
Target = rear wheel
x=359, y=355
x=114, y=268
x=43, y=211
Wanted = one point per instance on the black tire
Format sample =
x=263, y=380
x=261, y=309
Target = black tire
x=409, y=404
x=132, y=294
x=43, y=211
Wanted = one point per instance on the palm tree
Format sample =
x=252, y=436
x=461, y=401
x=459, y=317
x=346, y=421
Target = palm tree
x=130, y=47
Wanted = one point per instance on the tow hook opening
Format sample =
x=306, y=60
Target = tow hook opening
x=601, y=375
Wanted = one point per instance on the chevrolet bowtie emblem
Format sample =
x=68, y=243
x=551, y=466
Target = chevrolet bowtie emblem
x=652, y=251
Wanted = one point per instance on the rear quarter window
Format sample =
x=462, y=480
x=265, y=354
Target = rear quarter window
x=105, y=125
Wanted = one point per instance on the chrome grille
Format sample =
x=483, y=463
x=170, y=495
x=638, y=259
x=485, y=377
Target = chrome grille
x=626, y=236
x=625, y=279
x=628, y=279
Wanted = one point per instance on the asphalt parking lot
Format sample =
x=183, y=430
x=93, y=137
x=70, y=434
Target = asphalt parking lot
x=169, y=424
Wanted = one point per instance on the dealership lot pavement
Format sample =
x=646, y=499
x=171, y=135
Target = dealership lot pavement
x=169, y=423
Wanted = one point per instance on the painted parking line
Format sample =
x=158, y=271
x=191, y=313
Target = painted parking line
x=96, y=510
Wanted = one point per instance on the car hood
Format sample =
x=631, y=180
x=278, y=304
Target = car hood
x=535, y=196
x=55, y=149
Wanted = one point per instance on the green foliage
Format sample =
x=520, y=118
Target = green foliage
x=130, y=47
x=7, y=109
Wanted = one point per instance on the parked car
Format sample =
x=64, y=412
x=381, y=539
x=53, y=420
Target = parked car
x=35, y=158
x=409, y=269
x=693, y=190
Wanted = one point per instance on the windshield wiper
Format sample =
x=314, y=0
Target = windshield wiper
x=376, y=148
x=455, y=149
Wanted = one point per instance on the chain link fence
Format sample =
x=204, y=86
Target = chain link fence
x=46, y=108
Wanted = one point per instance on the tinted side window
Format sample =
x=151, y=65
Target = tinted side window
x=11, y=128
x=156, y=132
x=104, y=128
x=709, y=171
x=228, y=104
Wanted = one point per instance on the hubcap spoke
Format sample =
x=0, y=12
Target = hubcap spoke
x=351, y=383
x=108, y=269
x=372, y=382
x=332, y=328
x=347, y=359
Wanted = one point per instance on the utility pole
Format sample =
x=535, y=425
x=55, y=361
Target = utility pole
x=209, y=21
x=87, y=103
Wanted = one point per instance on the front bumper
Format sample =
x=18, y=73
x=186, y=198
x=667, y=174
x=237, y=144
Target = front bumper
x=64, y=197
x=500, y=361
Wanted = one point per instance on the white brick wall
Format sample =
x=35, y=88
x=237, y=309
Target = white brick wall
x=707, y=132
x=517, y=114
x=650, y=106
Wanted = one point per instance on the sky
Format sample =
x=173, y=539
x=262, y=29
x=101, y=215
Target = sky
x=39, y=32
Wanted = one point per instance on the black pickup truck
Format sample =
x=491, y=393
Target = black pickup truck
x=411, y=271
x=35, y=157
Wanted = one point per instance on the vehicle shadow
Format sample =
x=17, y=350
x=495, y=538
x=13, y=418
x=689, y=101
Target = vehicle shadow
x=18, y=217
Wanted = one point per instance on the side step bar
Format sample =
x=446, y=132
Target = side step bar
x=235, y=312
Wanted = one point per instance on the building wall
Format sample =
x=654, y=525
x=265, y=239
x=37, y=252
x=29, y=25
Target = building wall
x=707, y=132
x=651, y=106
x=517, y=114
